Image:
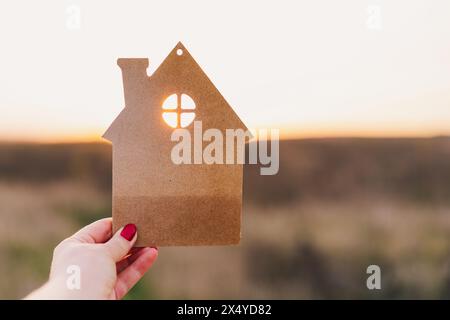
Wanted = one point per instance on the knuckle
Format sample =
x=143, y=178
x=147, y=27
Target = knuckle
x=123, y=245
x=118, y=247
x=60, y=247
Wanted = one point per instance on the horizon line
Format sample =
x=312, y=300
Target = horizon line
x=99, y=139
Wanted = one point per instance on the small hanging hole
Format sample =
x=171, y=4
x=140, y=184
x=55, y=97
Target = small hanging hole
x=179, y=52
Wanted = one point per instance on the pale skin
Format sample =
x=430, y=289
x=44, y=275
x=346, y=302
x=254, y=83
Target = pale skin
x=109, y=265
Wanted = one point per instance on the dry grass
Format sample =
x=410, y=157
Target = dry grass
x=310, y=232
x=301, y=250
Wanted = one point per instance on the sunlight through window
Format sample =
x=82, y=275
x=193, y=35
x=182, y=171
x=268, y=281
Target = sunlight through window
x=178, y=110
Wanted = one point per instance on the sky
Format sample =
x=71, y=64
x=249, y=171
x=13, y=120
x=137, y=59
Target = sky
x=310, y=68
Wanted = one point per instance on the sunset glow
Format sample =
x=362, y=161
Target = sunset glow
x=313, y=72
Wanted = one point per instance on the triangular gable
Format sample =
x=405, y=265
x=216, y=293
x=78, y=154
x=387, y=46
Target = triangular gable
x=177, y=72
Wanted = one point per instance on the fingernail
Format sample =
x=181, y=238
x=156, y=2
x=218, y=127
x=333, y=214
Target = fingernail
x=129, y=231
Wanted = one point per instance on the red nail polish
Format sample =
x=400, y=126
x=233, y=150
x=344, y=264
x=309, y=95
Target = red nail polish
x=129, y=231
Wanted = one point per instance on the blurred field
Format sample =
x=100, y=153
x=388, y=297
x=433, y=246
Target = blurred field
x=336, y=206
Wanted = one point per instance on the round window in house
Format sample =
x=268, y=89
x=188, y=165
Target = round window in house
x=178, y=110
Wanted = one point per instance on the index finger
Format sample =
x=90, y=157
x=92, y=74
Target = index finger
x=99, y=231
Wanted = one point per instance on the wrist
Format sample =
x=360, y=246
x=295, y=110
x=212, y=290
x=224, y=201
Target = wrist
x=54, y=289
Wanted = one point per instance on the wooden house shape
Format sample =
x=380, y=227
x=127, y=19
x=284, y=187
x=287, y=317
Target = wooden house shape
x=172, y=204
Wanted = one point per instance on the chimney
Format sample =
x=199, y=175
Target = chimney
x=134, y=75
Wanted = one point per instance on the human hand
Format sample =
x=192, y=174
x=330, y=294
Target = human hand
x=109, y=265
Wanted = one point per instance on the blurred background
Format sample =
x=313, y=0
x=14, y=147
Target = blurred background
x=359, y=89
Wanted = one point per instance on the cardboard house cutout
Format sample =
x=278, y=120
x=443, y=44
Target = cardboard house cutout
x=172, y=204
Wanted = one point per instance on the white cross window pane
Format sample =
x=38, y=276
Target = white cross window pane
x=170, y=103
x=187, y=102
x=175, y=110
x=170, y=118
x=186, y=118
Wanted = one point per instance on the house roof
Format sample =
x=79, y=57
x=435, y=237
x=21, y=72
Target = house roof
x=179, y=72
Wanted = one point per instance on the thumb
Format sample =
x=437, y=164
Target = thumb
x=122, y=242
